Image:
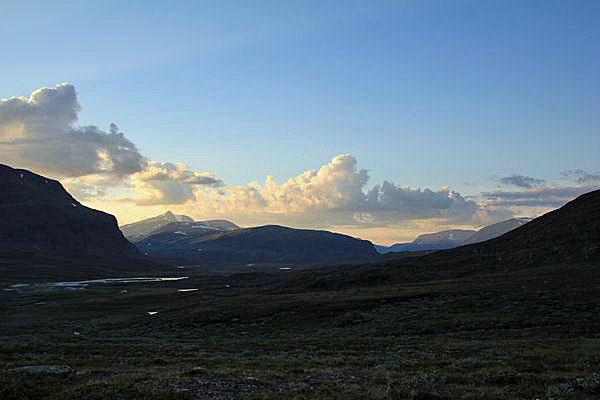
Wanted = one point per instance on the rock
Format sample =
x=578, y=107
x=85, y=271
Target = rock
x=59, y=371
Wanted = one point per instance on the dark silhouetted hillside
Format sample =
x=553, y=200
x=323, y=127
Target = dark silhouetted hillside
x=263, y=244
x=495, y=230
x=38, y=215
x=568, y=234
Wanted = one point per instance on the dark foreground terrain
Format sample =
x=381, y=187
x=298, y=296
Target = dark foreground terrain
x=527, y=334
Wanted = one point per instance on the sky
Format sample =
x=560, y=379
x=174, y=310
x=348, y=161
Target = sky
x=381, y=119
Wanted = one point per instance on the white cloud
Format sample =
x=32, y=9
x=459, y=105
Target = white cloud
x=38, y=132
x=335, y=195
x=167, y=183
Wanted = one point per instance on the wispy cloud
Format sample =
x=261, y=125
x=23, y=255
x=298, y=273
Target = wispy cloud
x=522, y=181
x=539, y=193
x=582, y=177
x=538, y=197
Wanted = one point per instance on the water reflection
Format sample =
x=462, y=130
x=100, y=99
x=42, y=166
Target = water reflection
x=81, y=284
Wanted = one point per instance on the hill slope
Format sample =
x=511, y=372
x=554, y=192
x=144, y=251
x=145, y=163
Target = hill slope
x=570, y=233
x=454, y=237
x=39, y=215
x=495, y=230
x=566, y=236
x=263, y=244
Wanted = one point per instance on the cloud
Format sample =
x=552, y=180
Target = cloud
x=167, y=183
x=582, y=177
x=38, y=132
x=205, y=180
x=539, y=194
x=406, y=203
x=522, y=181
x=336, y=194
x=335, y=186
x=538, y=197
x=83, y=191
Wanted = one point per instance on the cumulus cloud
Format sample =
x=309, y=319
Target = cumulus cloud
x=38, y=132
x=522, y=181
x=407, y=203
x=167, y=183
x=335, y=186
x=336, y=194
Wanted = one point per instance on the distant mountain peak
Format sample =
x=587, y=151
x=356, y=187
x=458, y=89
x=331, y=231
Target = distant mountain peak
x=455, y=237
x=451, y=235
x=168, y=221
x=494, y=230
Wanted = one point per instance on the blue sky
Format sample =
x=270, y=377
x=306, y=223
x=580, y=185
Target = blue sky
x=421, y=93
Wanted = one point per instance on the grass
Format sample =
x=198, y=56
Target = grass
x=517, y=335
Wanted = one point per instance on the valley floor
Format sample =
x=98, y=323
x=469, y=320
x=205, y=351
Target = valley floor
x=533, y=334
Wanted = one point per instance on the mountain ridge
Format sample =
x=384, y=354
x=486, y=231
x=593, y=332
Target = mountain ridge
x=139, y=230
x=452, y=238
x=262, y=244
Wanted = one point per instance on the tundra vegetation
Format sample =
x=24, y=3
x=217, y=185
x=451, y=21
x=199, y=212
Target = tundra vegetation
x=262, y=333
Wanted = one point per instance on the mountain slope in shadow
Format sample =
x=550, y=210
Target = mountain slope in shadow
x=38, y=214
x=567, y=236
x=262, y=244
x=46, y=234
